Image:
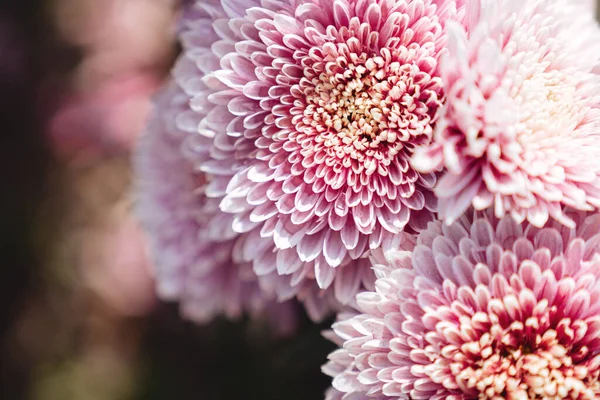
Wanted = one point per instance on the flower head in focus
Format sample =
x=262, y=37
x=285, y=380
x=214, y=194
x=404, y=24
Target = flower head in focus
x=483, y=308
x=191, y=266
x=314, y=108
x=521, y=126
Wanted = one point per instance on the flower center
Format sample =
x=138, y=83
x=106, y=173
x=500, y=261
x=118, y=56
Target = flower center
x=548, y=106
x=363, y=108
x=527, y=360
x=355, y=102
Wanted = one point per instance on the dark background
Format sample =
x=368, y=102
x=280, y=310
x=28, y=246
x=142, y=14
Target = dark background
x=60, y=338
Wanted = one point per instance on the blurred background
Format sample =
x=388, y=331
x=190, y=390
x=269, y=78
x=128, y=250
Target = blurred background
x=78, y=316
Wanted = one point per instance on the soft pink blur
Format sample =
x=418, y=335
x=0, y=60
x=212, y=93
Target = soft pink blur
x=114, y=263
x=126, y=47
x=104, y=121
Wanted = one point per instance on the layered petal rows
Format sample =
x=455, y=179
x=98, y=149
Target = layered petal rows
x=483, y=308
x=315, y=108
x=191, y=266
x=217, y=152
x=521, y=128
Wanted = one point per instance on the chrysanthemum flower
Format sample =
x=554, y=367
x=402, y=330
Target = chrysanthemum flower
x=191, y=266
x=281, y=273
x=521, y=129
x=314, y=109
x=483, y=308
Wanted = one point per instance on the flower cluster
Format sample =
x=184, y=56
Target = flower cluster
x=429, y=169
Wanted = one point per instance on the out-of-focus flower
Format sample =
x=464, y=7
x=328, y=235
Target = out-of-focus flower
x=117, y=35
x=105, y=120
x=125, y=46
x=483, y=308
x=114, y=264
x=194, y=263
x=521, y=128
x=313, y=109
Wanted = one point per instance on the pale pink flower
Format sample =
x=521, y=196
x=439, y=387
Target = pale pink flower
x=193, y=257
x=483, y=308
x=520, y=132
x=314, y=108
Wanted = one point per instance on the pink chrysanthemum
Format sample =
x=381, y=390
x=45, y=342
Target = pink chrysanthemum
x=191, y=266
x=281, y=272
x=481, y=309
x=521, y=129
x=314, y=108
